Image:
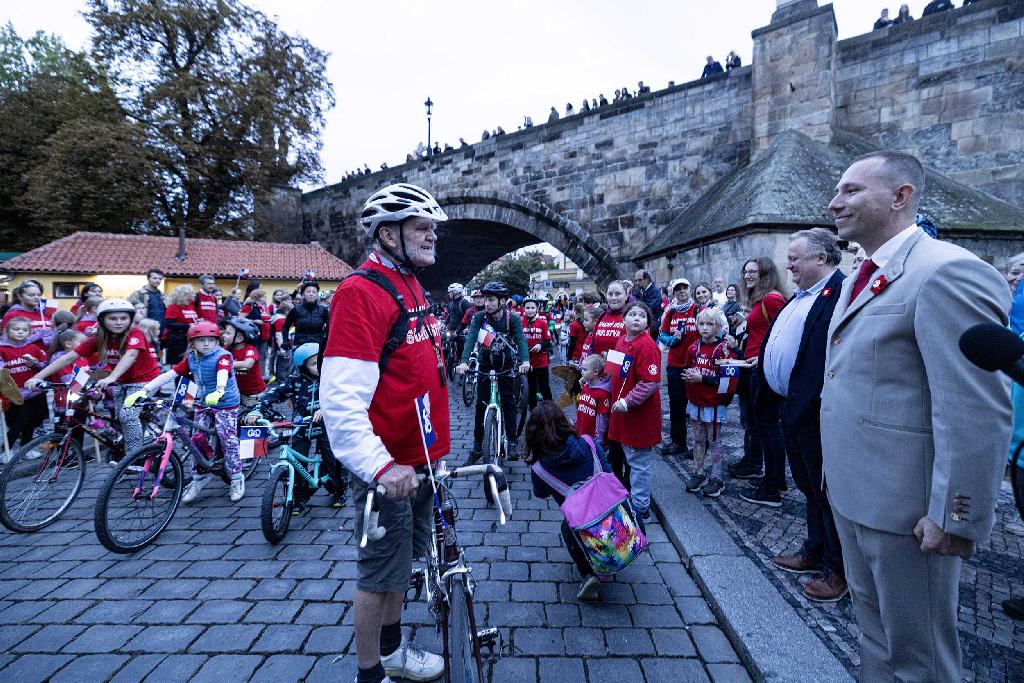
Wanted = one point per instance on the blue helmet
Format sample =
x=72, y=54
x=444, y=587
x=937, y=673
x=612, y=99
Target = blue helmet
x=304, y=353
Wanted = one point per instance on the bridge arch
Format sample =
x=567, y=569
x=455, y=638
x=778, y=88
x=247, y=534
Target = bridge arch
x=484, y=226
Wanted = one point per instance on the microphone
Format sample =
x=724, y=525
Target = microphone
x=993, y=347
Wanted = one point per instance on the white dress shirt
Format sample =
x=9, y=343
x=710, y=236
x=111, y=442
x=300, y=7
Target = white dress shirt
x=784, y=342
x=886, y=251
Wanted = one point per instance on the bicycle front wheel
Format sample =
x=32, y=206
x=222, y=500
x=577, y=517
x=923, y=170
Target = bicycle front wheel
x=41, y=482
x=463, y=665
x=134, y=508
x=521, y=404
x=276, y=511
x=468, y=389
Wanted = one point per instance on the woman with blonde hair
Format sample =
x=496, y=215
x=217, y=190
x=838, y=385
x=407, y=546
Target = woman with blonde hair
x=179, y=315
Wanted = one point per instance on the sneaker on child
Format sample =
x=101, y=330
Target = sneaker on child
x=589, y=589
x=714, y=488
x=695, y=482
x=197, y=484
x=237, y=488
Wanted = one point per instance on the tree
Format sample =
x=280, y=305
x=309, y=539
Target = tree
x=228, y=104
x=68, y=158
x=514, y=270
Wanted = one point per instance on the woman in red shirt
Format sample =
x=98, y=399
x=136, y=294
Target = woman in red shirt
x=763, y=438
x=29, y=304
x=177, y=318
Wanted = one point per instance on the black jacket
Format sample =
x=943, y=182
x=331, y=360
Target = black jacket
x=803, y=405
x=309, y=322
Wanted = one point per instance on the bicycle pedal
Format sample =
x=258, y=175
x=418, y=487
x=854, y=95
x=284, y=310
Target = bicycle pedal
x=490, y=642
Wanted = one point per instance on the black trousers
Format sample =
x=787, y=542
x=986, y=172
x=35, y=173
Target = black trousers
x=506, y=388
x=328, y=464
x=768, y=433
x=575, y=552
x=676, y=405
x=803, y=448
x=23, y=420
x=753, y=454
x=537, y=381
x=617, y=461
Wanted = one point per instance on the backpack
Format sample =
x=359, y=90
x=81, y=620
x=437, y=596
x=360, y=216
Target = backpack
x=600, y=516
x=399, y=331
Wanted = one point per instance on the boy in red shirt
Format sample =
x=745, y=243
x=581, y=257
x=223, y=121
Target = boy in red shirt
x=705, y=411
x=594, y=406
x=21, y=359
x=237, y=337
x=538, y=339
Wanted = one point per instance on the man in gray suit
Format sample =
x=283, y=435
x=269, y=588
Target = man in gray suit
x=914, y=436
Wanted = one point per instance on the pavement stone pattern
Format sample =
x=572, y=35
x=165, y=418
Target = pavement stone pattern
x=992, y=643
x=212, y=600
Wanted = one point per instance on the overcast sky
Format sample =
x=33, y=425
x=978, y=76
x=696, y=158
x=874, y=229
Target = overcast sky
x=484, y=64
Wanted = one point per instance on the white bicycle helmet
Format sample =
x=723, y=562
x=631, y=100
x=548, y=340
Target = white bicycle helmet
x=397, y=202
x=115, y=306
x=455, y=287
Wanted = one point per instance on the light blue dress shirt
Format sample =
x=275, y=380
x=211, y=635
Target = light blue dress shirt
x=784, y=341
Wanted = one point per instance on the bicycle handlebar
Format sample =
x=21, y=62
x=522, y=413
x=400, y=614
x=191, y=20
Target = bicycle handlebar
x=493, y=475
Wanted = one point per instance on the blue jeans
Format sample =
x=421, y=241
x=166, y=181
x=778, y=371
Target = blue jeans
x=639, y=460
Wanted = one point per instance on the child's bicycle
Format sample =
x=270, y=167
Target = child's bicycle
x=139, y=498
x=279, y=493
x=45, y=476
x=447, y=578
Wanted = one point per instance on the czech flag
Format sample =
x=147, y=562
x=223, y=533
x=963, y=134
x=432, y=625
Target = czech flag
x=426, y=426
x=310, y=275
x=252, y=442
x=486, y=336
x=79, y=378
x=185, y=394
x=624, y=361
x=244, y=273
x=730, y=379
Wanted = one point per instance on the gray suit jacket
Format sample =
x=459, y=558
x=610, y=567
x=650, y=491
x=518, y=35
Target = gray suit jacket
x=909, y=427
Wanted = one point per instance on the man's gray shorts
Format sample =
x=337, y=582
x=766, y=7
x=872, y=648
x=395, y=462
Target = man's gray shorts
x=385, y=565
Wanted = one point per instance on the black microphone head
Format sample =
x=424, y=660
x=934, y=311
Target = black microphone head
x=991, y=347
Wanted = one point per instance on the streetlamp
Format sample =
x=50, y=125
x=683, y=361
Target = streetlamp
x=429, y=105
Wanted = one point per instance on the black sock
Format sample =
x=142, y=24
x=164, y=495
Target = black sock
x=372, y=675
x=390, y=638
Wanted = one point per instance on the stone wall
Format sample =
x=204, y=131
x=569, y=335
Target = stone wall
x=948, y=88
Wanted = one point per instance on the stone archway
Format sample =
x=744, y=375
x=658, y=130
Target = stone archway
x=483, y=226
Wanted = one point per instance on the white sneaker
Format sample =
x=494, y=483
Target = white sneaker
x=589, y=589
x=413, y=662
x=194, y=487
x=1015, y=528
x=386, y=679
x=237, y=488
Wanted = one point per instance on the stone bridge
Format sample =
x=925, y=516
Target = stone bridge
x=601, y=185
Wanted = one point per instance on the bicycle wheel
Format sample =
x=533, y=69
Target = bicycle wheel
x=492, y=452
x=128, y=517
x=41, y=482
x=250, y=466
x=461, y=648
x=468, y=389
x=276, y=511
x=1017, y=479
x=521, y=404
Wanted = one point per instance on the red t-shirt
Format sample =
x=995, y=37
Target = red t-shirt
x=757, y=323
x=536, y=332
x=640, y=426
x=702, y=357
x=578, y=334
x=687, y=320
x=606, y=334
x=143, y=369
x=250, y=380
x=264, y=321
x=13, y=360
x=361, y=318
x=206, y=306
x=178, y=314
x=37, y=321
x=593, y=402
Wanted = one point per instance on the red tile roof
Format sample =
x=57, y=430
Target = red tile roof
x=98, y=252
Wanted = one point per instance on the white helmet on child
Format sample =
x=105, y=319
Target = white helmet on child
x=115, y=306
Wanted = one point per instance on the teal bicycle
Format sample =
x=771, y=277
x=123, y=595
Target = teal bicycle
x=279, y=493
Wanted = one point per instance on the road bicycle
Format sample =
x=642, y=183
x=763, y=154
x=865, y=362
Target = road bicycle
x=44, y=477
x=139, y=498
x=447, y=578
x=279, y=493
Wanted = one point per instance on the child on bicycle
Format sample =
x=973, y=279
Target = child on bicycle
x=118, y=345
x=593, y=409
x=63, y=344
x=303, y=389
x=553, y=442
x=499, y=334
x=702, y=375
x=21, y=358
x=211, y=368
x=238, y=337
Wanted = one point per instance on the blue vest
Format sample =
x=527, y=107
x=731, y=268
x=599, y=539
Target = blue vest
x=204, y=373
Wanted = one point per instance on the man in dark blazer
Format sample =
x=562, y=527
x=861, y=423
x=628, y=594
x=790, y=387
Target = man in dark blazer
x=791, y=369
x=915, y=435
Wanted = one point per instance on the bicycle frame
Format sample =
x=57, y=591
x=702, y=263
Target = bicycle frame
x=173, y=426
x=295, y=461
x=495, y=404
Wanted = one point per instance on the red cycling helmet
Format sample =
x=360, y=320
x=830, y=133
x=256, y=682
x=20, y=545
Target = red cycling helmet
x=203, y=328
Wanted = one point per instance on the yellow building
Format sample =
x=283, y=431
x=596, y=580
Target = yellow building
x=118, y=263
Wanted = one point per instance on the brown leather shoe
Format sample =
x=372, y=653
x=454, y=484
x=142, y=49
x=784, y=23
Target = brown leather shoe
x=828, y=587
x=797, y=564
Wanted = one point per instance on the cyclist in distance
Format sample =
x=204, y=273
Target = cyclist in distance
x=368, y=401
x=502, y=339
x=457, y=309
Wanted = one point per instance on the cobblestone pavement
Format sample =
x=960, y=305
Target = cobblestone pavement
x=992, y=643
x=211, y=600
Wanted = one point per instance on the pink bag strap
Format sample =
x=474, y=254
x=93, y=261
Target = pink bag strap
x=593, y=451
x=557, y=484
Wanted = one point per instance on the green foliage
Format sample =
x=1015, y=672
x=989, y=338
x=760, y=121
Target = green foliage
x=514, y=270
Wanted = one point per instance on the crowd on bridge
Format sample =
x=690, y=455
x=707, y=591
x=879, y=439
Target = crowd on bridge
x=904, y=16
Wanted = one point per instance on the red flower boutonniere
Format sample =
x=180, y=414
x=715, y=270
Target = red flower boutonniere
x=878, y=284
x=826, y=292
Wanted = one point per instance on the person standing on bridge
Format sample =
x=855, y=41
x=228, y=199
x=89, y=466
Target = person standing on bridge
x=369, y=401
x=648, y=293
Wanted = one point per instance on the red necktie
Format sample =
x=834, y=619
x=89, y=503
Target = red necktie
x=867, y=269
